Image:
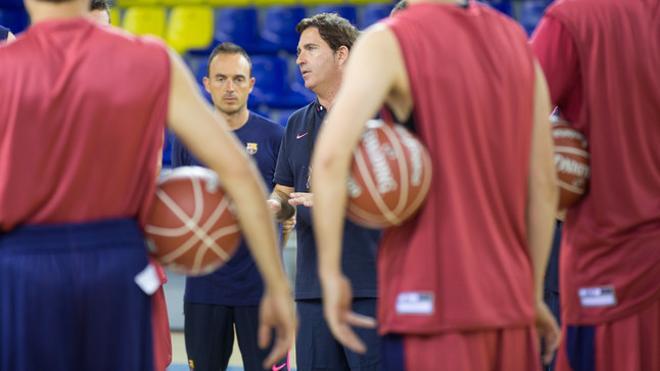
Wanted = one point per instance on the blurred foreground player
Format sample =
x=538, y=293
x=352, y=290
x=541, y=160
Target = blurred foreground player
x=601, y=58
x=461, y=285
x=73, y=201
x=5, y=35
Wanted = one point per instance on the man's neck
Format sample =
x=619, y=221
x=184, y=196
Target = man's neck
x=326, y=94
x=46, y=11
x=238, y=119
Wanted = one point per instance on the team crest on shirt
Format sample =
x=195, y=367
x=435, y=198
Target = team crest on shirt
x=251, y=148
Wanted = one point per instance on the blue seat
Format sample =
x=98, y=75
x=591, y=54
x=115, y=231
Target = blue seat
x=238, y=25
x=17, y=20
x=279, y=28
x=12, y=4
x=272, y=88
x=503, y=6
x=347, y=11
x=531, y=12
x=372, y=13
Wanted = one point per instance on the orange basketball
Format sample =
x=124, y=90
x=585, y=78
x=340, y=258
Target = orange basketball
x=190, y=227
x=390, y=176
x=571, y=162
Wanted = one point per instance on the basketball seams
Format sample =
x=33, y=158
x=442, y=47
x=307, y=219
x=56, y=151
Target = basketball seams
x=371, y=187
x=400, y=158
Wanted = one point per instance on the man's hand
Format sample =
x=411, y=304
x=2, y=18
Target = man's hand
x=337, y=301
x=548, y=331
x=301, y=198
x=277, y=312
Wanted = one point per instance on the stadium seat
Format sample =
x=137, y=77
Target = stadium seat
x=279, y=28
x=372, y=13
x=367, y=2
x=272, y=88
x=227, y=3
x=145, y=20
x=347, y=11
x=503, y=6
x=531, y=12
x=190, y=27
x=17, y=20
x=12, y=4
x=131, y=3
x=115, y=16
x=238, y=25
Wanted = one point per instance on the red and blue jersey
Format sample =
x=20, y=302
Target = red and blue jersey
x=83, y=111
x=462, y=263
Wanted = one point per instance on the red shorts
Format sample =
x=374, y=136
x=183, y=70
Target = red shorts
x=628, y=344
x=511, y=349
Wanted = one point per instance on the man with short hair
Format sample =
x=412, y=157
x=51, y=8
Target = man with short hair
x=323, y=50
x=601, y=59
x=99, y=10
x=74, y=202
x=228, y=299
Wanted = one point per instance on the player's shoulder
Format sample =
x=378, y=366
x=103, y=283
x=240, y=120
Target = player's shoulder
x=266, y=125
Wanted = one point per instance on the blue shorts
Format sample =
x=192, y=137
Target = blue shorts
x=317, y=349
x=68, y=300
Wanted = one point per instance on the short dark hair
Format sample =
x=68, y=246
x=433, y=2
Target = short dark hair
x=334, y=29
x=99, y=5
x=403, y=4
x=227, y=48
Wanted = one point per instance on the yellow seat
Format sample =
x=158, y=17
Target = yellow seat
x=145, y=20
x=229, y=3
x=130, y=3
x=182, y=2
x=115, y=17
x=190, y=27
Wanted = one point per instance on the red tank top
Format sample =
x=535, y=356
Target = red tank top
x=463, y=263
x=610, y=264
x=82, y=114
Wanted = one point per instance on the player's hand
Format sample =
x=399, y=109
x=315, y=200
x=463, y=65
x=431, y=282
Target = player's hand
x=337, y=300
x=277, y=312
x=274, y=205
x=548, y=331
x=288, y=225
x=301, y=198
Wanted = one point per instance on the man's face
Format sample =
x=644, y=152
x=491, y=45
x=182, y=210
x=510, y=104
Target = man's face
x=316, y=60
x=229, y=82
x=100, y=16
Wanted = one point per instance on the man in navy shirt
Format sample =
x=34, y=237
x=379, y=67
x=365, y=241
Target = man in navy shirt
x=215, y=303
x=323, y=49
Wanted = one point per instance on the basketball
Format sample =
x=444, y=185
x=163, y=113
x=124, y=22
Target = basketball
x=571, y=162
x=390, y=176
x=190, y=226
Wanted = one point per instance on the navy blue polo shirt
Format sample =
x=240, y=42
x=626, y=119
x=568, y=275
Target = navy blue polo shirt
x=238, y=282
x=359, y=244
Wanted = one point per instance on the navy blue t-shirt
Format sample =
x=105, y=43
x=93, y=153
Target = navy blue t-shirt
x=359, y=244
x=238, y=282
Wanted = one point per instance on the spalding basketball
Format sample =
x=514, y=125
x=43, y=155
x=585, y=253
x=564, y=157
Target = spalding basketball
x=390, y=176
x=571, y=162
x=190, y=227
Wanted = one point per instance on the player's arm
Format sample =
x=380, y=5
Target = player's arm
x=367, y=82
x=542, y=207
x=207, y=135
x=279, y=202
